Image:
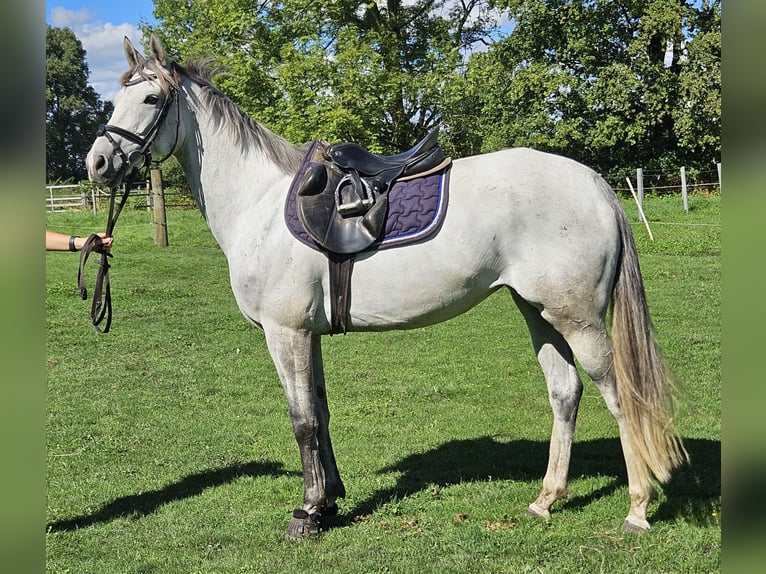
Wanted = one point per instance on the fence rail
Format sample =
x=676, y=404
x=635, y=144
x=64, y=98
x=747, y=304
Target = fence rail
x=83, y=196
x=64, y=197
x=683, y=187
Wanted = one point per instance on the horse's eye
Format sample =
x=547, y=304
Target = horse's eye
x=151, y=99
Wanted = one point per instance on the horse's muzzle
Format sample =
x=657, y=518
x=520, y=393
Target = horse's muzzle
x=105, y=167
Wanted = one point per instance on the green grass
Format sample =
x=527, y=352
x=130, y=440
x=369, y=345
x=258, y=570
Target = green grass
x=170, y=448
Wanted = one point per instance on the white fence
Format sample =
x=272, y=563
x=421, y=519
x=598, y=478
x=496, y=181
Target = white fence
x=64, y=197
x=83, y=197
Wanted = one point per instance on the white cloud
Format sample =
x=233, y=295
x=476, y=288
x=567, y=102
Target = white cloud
x=63, y=18
x=103, y=46
x=105, y=54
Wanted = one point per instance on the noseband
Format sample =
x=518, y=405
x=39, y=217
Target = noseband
x=130, y=165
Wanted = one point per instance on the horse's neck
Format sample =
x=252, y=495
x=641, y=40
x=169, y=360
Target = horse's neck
x=229, y=181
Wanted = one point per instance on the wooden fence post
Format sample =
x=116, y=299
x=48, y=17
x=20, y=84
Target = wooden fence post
x=684, y=193
x=640, y=186
x=160, y=218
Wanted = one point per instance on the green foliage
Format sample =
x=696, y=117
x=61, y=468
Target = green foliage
x=363, y=71
x=73, y=110
x=169, y=446
x=698, y=122
x=596, y=81
x=592, y=80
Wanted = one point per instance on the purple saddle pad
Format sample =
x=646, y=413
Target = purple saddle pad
x=416, y=208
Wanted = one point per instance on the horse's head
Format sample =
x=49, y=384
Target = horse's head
x=146, y=118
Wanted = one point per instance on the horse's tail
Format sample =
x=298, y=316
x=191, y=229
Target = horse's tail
x=645, y=386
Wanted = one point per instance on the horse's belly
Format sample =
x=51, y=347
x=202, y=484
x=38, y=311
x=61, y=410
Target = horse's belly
x=416, y=301
x=423, y=284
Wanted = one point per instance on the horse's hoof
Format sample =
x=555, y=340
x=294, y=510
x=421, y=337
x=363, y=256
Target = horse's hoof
x=534, y=511
x=635, y=527
x=303, y=525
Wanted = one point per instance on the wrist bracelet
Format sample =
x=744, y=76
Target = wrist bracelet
x=71, y=242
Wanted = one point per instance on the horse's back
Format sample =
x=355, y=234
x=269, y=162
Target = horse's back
x=531, y=177
x=555, y=227
x=546, y=199
x=535, y=222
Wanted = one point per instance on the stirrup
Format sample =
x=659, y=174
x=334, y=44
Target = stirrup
x=352, y=196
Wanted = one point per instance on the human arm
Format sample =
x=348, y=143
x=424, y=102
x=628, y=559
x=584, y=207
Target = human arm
x=55, y=241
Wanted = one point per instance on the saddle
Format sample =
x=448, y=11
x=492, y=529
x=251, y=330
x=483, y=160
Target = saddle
x=342, y=198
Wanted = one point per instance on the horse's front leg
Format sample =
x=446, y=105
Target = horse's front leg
x=332, y=482
x=298, y=360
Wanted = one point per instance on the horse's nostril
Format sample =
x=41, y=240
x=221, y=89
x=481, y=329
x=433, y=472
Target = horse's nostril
x=100, y=163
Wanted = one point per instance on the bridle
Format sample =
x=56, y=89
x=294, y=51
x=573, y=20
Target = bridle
x=144, y=141
x=132, y=163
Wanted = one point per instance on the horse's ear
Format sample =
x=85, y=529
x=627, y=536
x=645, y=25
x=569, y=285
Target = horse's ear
x=158, y=50
x=133, y=56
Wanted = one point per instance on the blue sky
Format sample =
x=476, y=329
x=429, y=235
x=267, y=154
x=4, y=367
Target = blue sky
x=101, y=25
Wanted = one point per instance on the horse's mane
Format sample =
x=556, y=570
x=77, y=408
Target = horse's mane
x=245, y=129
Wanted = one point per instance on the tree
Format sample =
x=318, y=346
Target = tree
x=611, y=84
x=373, y=72
x=73, y=110
x=698, y=117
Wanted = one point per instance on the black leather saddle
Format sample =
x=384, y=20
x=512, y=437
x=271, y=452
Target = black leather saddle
x=342, y=198
x=426, y=154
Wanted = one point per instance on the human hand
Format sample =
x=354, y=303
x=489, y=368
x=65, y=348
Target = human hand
x=103, y=244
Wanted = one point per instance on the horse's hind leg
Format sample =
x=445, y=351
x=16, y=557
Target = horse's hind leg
x=594, y=352
x=564, y=392
x=588, y=339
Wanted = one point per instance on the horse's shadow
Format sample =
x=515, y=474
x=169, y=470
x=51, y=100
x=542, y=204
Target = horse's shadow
x=692, y=492
x=140, y=505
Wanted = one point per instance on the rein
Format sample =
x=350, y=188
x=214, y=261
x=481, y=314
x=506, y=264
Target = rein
x=101, y=308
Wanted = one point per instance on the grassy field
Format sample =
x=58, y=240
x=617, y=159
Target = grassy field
x=170, y=449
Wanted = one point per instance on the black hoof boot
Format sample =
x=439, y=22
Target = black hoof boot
x=303, y=525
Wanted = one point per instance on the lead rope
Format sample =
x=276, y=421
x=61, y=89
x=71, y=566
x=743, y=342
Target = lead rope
x=102, y=295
